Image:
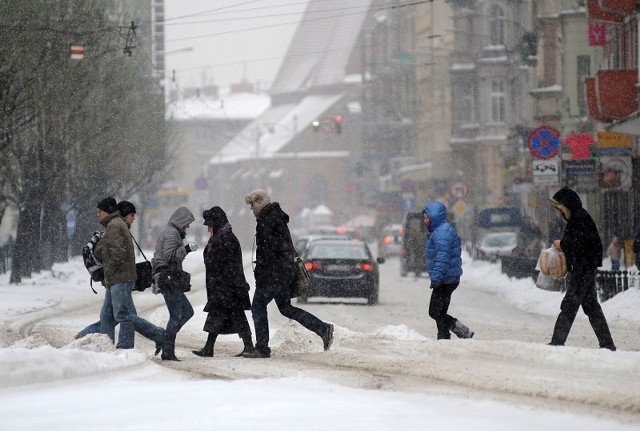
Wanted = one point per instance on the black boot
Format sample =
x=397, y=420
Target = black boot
x=168, y=348
x=248, y=343
x=207, y=350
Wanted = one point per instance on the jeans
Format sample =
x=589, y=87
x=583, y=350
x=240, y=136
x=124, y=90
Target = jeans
x=615, y=265
x=107, y=324
x=262, y=297
x=438, y=308
x=118, y=305
x=180, y=311
x=94, y=328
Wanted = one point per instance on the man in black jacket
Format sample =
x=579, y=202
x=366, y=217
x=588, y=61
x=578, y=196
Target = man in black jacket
x=582, y=248
x=274, y=273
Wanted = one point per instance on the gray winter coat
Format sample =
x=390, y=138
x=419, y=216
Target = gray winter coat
x=170, y=251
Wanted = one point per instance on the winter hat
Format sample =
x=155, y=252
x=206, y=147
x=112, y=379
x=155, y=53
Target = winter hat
x=215, y=217
x=258, y=199
x=126, y=208
x=108, y=205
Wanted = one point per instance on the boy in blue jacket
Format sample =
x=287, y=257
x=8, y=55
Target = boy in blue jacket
x=443, y=254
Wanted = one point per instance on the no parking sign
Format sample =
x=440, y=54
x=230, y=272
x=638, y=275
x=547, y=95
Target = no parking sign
x=544, y=143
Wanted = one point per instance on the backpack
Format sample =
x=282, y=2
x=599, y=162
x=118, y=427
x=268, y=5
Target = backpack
x=93, y=265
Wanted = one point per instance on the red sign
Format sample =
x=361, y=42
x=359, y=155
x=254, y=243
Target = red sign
x=597, y=33
x=579, y=144
x=76, y=52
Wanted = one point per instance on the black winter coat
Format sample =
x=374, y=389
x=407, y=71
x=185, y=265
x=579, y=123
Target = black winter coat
x=581, y=241
x=226, y=285
x=274, y=249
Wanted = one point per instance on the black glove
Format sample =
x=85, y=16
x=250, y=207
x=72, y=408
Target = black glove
x=433, y=286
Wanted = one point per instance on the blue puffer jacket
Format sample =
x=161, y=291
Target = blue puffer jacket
x=443, y=251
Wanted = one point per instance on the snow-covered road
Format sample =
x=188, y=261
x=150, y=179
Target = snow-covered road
x=392, y=345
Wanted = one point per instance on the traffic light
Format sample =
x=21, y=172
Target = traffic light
x=338, y=122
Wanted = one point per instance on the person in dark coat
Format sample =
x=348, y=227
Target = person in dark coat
x=582, y=247
x=443, y=255
x=274, y=274
x=227, y=288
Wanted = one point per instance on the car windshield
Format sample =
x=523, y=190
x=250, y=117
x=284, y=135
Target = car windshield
x=337, y=251
x=500, y=240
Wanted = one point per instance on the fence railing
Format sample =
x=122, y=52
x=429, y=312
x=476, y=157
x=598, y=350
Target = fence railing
x=610, y=283
x=6, y=256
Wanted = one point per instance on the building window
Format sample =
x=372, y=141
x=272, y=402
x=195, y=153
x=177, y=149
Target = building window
x=463, y=96
x=498, y=98
x=583, y=70
x=496, y=26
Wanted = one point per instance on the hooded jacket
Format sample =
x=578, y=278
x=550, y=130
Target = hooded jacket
x=443, y=250
x=170, y=251
x=274, y=248
x=115, y=251
x=580, y=241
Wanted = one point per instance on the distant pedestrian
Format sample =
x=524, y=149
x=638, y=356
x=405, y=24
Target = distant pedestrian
x=274, y=273
x=443, y=254
x=171, y=280
x=614, y=251
x=636, y=248
x=582, y=248
x=227, y=288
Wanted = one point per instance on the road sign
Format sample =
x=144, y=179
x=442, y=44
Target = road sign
x=459, y=190
x=546, y=172
x=544, y=143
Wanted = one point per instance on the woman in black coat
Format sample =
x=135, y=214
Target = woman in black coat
x=227, y=288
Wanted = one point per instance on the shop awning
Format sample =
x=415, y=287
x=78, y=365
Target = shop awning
x=611, y=11
x=612, y=94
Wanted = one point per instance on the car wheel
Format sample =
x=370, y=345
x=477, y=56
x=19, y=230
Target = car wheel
x=403, y=269
x=372, y=299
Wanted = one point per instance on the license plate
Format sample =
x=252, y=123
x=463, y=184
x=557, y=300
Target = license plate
x=338, y=268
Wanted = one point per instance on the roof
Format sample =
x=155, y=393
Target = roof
x=321, y=46
x=240, y=105
x=273, y=130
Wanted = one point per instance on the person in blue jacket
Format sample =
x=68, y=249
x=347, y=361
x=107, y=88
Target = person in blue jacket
x=443, y=255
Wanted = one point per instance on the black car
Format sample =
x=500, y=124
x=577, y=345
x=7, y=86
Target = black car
x=342, y=269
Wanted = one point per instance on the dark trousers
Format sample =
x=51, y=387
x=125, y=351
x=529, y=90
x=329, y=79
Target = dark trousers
x=581, y=291
x=180, y=310
x=439, y=306
x=262, y=297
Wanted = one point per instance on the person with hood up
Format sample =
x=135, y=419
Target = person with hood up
x=582, y=248
x=274, y=273
x=443, y=255
x=169, y=277
x=227, y=288
x=115, y=251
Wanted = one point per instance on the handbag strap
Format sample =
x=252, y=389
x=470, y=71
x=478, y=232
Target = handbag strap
x=141, y=252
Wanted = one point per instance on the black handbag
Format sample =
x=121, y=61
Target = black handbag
x=144, y=275
x=174, y=280
x=301, y=280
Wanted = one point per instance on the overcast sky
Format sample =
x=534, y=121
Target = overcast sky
x=231, y=39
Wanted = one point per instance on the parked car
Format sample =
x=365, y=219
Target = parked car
x=497, y=244
x=390, y=240
x=342, y=269
x=413, y=242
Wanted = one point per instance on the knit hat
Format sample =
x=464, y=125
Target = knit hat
x=215, y=217
x=108, y=205
x=258, y=199
x=126, y=208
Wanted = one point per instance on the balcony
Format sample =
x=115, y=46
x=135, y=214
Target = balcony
x=612, y=94
x=611, y=11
